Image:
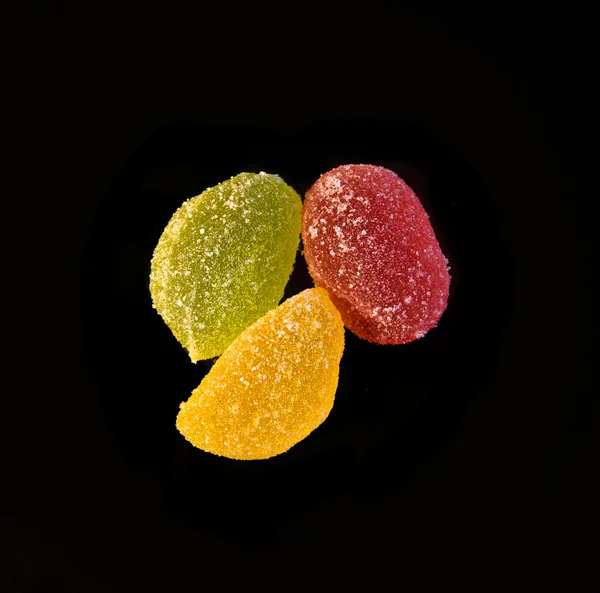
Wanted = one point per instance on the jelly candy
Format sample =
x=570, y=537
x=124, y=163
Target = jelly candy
x=273, y=385
x=368, y=241
x=224, y=259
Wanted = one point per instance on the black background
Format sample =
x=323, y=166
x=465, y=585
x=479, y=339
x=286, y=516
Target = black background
x=463, y=460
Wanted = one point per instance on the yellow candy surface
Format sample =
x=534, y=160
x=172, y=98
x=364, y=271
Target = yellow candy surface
x=224, y=259
x=273, y=385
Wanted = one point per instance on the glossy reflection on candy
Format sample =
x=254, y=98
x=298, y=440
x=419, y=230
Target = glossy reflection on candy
x=368, y=241
x=224, y=259
x=273, y=385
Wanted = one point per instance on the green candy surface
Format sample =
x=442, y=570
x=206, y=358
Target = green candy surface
x=224, y=259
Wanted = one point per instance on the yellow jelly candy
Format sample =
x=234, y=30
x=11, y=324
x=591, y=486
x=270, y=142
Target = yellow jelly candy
x=273, y=385
x=224, y=259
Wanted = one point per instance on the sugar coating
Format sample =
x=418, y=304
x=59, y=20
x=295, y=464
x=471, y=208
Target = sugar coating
x=224, y=259
x=273, y=385
x=368, y=241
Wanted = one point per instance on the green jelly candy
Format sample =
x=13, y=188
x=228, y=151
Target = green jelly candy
x=224, y=259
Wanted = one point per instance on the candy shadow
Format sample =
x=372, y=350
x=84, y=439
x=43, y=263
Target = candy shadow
x=395, y=406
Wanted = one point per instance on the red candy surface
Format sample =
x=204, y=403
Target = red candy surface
x=368, y=241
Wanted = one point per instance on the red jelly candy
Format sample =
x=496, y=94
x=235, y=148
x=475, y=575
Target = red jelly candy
x=368, y=241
